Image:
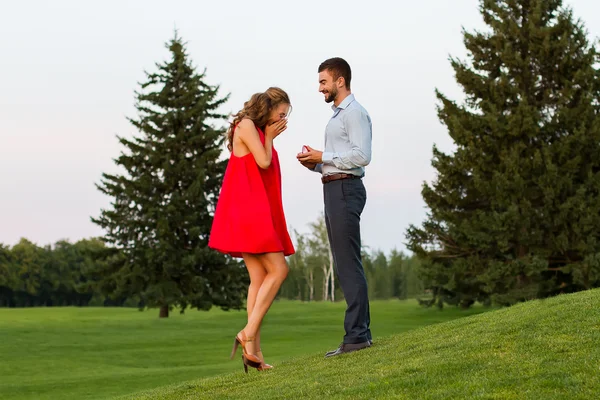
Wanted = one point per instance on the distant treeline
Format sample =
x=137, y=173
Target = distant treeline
x=34, y=276
x=64, y=274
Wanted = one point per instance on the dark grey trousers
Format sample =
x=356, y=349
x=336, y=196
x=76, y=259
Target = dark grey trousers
x=344, y=202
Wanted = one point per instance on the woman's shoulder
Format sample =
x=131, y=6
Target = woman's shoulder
x=246, y=123
x=247, y=126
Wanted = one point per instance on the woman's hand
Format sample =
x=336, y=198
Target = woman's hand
x=275, y=129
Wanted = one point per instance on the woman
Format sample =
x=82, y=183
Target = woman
x=249, y=221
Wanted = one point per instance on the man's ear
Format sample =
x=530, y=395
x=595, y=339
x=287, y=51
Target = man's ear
x=341, y=82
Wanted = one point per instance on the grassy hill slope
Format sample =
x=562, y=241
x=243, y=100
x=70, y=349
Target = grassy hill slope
x=548, y=349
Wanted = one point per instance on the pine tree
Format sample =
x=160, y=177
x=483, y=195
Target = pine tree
x=514, y=212
x=163, y=204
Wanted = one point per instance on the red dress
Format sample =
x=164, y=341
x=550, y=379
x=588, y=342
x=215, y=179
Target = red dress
x=249, y=216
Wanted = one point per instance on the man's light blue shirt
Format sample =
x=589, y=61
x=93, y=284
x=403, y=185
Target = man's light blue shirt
x=348, y=138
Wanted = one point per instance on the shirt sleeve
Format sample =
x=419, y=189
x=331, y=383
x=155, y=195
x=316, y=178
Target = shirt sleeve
x=358, y=126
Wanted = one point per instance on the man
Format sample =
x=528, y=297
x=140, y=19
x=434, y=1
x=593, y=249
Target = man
x=347, y=152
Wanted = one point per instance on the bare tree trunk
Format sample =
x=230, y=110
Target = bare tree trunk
x=331, y=276
x=164, y=312
x=325, y=282
x=332, y=280
x=311, y=286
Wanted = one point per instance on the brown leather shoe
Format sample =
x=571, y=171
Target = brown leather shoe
x=347, y=348
x=263, y=365
x=250, y=360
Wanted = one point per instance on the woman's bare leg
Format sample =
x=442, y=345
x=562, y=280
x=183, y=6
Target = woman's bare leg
x=257, y=274
x=277, y=270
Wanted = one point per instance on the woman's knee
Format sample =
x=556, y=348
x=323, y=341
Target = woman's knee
x=280, y=271
x=257, y=279
x=285, y=270
x=276, y=265
x=256, y=270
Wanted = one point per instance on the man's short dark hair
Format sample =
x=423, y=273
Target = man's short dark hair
x=337, y=67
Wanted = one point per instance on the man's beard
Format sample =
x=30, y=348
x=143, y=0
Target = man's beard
x=329, y=97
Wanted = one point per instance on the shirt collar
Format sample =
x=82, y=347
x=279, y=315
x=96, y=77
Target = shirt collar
x=345, y=103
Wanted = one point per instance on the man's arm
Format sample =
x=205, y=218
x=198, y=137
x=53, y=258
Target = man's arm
x=358, y=125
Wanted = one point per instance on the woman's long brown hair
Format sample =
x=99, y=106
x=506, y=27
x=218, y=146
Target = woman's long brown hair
x=258, y=109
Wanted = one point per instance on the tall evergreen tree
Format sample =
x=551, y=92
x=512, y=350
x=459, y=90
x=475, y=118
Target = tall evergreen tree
x=163, y=204
x=515, y=209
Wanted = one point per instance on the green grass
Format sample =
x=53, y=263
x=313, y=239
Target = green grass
x=538, y=350
x=98, y=353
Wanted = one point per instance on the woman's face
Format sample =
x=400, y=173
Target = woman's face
x=278, y=113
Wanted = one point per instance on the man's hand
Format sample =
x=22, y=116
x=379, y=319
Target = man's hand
x=310, y=166
x=312, y=156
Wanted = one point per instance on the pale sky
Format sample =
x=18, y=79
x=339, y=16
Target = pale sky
x=69, y=70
